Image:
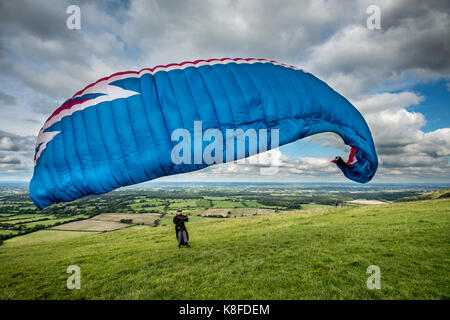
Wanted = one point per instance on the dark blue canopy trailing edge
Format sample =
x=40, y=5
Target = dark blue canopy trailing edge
x=117, y=131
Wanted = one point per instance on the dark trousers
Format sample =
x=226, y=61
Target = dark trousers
x=182, y=237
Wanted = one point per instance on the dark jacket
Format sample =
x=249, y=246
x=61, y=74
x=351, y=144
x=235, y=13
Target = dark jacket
x=179, y=221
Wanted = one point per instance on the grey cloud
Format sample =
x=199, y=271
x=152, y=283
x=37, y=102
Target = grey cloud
x=8, y=160
x=414, y=161
x=409, y=11
x=356, y=59
x=45, y=105
x=325, y=37
x=162, y=31
x=237, y=28
x=12, y=142
x=44, y=19
x=387, y=101
x=16, y=153
x=32, y=121
x=51, y=59
x=7, y=98
x=13, y=164
x=391, y=148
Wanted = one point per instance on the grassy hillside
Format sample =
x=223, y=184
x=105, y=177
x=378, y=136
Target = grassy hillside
x=316, y=254
x=435, y=194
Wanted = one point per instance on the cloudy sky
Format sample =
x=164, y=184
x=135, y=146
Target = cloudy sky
x=397, y=76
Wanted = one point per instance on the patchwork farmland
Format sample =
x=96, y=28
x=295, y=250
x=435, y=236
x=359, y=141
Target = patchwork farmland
x=109, y=222
x=202, y=203
x=236, y=212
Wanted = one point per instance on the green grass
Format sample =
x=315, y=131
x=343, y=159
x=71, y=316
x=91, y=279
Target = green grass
x=435, y=194
x=23, y=220
x=184, y=203
x=51, y=222
x=167, y=220
x=227, y=204
x=27, y=216
x=240, y=212
x=203, y=203
x=314, y=206
x=255, y=204
x=156, y=204
x=306, y=254
x=8, y=232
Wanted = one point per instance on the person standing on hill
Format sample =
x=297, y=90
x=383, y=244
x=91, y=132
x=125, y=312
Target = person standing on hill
x=180, y=229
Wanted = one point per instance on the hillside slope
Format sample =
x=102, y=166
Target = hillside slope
x=435, y=194
x=317, y=254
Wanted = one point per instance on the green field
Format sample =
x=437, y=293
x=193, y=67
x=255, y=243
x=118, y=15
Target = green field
x=305, y=254
x=227, y=204
x=8, y=232
x=49, y=223
x=15, y=217
x=24, y=220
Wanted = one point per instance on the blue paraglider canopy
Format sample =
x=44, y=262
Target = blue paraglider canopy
x=133, y=126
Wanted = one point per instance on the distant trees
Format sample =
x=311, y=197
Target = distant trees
x=287, y=203
x=216, y=216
